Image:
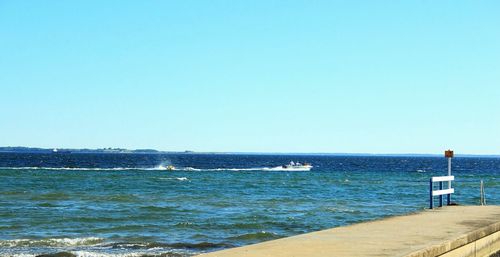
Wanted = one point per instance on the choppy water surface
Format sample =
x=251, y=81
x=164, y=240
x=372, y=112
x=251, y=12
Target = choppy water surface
x=128, y=205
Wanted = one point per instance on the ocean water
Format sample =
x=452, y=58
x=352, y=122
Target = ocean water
x=129, y=205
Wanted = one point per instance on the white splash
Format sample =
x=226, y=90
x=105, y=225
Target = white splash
x=52, y=242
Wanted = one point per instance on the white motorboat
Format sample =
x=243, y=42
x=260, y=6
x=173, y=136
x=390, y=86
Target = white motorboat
x=297, y=166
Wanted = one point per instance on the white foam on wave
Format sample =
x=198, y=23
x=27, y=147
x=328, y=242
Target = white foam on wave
x=180, y=179
x=20, y=254
x=52, y=242
x=96, y=254
x=101, y=254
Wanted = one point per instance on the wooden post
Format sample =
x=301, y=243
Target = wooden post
x=449, y=154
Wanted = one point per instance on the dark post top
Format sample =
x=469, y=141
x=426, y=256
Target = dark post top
x=448, y=153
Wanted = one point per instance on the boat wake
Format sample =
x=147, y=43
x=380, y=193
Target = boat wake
x=277, y=168
x=156, y=168
x=80, y=168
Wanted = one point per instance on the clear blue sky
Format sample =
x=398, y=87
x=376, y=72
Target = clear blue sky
x=265, y=76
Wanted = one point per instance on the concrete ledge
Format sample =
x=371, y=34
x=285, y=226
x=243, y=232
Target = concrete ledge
x=481, y=242
x=454, y=231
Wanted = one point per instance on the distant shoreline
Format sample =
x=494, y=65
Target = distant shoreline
x=21, y=149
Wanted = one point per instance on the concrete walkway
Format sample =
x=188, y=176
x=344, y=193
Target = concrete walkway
x=428, y=233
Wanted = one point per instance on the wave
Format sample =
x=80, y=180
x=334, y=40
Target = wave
x=52, y=242
x=94, y=246
x=101, y=254
x=200, y=246
x=51, y=196
x=157, y=245
x=96, y=241
x=262, y=235
x=158, y=208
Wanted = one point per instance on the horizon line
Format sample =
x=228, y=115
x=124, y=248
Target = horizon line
x=259, y=152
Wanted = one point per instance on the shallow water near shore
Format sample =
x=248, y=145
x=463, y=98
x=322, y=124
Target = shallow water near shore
x=130, y=205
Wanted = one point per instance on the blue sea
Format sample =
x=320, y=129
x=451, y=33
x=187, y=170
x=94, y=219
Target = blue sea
x=72, y=204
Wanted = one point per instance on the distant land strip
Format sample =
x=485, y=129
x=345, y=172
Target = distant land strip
x=111, y=150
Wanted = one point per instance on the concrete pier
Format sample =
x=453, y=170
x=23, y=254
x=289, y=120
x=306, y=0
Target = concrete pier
x=453, y=231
